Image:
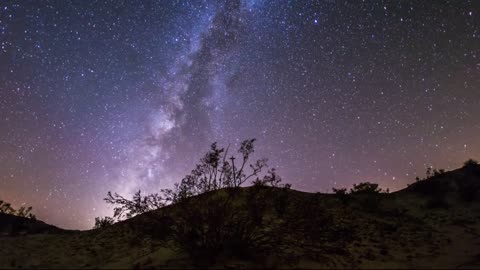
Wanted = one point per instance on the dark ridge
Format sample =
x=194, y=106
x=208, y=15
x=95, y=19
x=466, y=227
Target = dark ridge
x=15, y=225
x=459, y=180
x=416, y=227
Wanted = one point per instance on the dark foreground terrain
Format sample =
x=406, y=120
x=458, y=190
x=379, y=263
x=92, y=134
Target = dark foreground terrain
x=434, y=223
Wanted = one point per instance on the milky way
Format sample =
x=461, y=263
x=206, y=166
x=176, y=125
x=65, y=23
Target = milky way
x=124, y=95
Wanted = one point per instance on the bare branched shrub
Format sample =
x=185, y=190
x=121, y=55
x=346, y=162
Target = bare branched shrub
x=26, y=212
x=213, y=222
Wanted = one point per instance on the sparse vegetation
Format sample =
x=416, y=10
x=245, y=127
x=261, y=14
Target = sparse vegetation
x=139, y=204
x=366, y=188
x=435, y=191
x=216, y=221
x=431, y=172
x=103, y=222
x=26, y=212
x=470, y=163
x=6, y=208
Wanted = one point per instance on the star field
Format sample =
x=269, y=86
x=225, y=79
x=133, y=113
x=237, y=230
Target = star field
x=123, y=95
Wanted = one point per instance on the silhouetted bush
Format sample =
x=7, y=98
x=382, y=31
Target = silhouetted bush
x=103, y=222
x=138, y=205
x=430, y=173
x=6, y=208
x=470, y=163
x=365, y=188
x=26, y=212
x=370, y=198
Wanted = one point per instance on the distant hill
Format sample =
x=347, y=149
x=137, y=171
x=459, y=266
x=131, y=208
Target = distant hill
x=15, y=225
x=455, y=181
x=433, y=223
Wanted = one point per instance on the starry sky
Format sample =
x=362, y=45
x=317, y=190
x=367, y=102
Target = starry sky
x=127, y=95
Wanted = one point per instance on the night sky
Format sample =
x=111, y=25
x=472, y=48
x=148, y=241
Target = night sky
x=127, y=95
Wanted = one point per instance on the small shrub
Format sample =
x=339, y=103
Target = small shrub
x=340, y=191
x=103, y=222
x=370, y=199
x=258, y=183
x=6, y=208
x=26, y=212
x=365, y=188
x=470, y=163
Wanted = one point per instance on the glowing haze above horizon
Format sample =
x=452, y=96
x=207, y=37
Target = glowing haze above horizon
x=127, y=95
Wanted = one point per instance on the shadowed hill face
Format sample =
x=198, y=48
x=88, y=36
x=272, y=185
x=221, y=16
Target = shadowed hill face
x=284, y=228
x=460, y=181
x=15, y=225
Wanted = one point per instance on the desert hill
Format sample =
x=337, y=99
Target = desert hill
x=11, y=225
x=433, y=223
